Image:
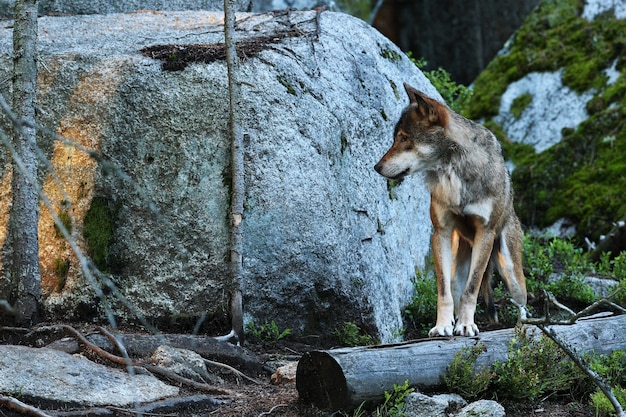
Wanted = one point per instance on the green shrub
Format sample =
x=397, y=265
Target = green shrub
x=268, y=333
x=558, y=266
x=421, y=313
x=463, y=378
x=454, y=94
x=536, y=366
x=602, y=404
x=352, y=335
x=393, y=406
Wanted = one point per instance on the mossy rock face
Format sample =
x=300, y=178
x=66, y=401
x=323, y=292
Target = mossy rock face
x=98, y=231
x=583, y=176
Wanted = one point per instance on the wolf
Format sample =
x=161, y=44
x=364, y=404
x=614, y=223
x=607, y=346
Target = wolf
x=471, y=207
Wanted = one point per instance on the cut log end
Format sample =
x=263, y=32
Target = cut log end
x=320, y=381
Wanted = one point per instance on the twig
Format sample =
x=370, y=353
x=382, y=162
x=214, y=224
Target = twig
x=574, y=317
x=231, y=369
x=542, y=322
x=175, y=377
x=267, y=413
x=152, y=368
x=16, y=405
x=143, y=413
x=597, y=380
x=375, y=11
x=98, y=351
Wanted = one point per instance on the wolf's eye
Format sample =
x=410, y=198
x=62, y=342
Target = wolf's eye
x=403, y=137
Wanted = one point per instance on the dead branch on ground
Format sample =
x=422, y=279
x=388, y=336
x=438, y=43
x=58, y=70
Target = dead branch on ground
x=139, y=363
x=18, y=406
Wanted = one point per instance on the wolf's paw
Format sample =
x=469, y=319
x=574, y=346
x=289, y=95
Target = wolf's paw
x=466, y=329
x=440, y=331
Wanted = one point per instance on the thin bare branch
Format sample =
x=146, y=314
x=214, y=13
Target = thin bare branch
x=20, y=407
x=543, y=322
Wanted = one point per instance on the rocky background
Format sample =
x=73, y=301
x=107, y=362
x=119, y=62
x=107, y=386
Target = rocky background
x=554, y=95
x=327, y=240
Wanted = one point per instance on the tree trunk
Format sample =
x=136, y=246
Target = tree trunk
x=344, y=378
x=237, y=184
x=24, y=217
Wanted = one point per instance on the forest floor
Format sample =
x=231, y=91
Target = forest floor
x=266, y=399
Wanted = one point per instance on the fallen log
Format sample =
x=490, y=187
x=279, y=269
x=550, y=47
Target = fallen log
x=344, y=378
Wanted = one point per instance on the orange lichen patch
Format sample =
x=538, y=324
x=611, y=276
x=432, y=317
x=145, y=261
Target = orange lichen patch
x=70, y=190
x=47, y=74
x=96, y=87
x=5, y=204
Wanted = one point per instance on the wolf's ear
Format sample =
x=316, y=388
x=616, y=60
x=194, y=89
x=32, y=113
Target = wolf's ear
x=426, y=107
x=415, y=96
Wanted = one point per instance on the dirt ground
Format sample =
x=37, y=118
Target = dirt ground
x=267, y=400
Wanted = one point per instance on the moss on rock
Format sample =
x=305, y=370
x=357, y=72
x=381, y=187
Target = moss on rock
x=98, y=231
x=582, y=177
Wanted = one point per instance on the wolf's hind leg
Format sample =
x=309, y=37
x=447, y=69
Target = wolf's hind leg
x=508, y=260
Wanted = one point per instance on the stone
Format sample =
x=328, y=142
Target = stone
x=417, y=404
x=285, y=374
x=326, y=239
x=455, y=401
x=185, y=363
x=75, y=7
x=553, y=107
x=482, y=408
x=52, y=375
x=596, y=7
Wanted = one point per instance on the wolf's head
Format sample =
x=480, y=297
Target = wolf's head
x=419, y=137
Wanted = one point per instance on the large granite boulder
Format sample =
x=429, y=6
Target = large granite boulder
x=326, y=239
x=71, y=7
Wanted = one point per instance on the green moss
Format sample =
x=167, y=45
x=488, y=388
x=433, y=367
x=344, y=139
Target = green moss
x=66, y=221
x=391, y=55
x=554, y=36
x=583, y=177
x=344, y=143
x=520, y=103
x=394, y=87
x=283, y=80
x=98, y=231
x=61, y=269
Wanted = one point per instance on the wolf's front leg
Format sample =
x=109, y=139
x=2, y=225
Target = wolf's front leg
x=481, y=252
x=442, y=250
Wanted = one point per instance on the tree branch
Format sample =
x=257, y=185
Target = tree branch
x=16, y=405
x=541, y=323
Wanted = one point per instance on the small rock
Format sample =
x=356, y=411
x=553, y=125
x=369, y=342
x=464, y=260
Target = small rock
x=285, y=374
x=185, y=363
x=417, y=404
x=483, y=408
x=602, y=287
x=455, y=401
